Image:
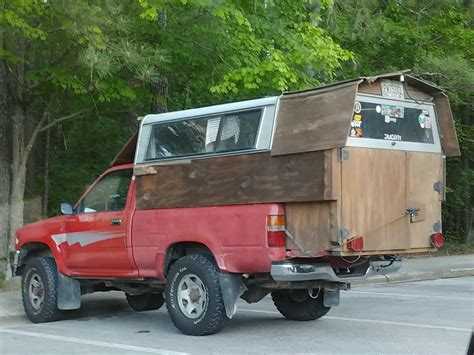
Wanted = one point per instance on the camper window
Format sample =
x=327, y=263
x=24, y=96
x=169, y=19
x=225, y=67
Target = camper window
x=206, y=135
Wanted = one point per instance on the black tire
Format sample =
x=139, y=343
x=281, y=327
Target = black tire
x=40, y=282
x=298, y=305
x=145, y=302
x=211, y=316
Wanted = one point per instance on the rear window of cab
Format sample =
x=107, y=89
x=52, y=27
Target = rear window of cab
x=231, y=132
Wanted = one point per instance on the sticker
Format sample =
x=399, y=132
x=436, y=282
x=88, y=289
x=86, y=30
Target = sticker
x=357, y=117
x=392, y=89
x=378, y=108
x=356, y=123
x=424, y=119
x=358, y=132
x=357, y=107
x=353, y=132
x=392, y=137
x=393, y=111
x=387, y=119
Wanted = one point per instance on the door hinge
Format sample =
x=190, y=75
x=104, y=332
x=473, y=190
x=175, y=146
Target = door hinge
x=343, y=233
x=342, y=155
x=438, y=187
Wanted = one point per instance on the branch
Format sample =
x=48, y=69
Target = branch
x=64, y=118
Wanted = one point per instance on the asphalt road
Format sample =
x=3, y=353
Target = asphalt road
x=428, y=317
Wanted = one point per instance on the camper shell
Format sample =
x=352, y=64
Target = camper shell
x=359, y=165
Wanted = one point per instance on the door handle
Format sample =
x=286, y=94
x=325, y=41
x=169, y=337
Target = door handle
x=116, y=221
x=412, y=211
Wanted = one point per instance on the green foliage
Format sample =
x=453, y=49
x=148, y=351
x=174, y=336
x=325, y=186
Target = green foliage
x=436, y=39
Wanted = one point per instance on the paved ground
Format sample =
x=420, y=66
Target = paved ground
x=427, y=317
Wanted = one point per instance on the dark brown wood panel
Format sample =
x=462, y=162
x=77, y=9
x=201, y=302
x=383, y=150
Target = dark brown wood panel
x=241, y=179
x=127, y=153
x=449, y=139
x=314, y=120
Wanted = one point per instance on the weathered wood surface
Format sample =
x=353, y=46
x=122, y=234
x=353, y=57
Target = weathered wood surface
x=424, y=169
x=374, y=197
x=127, y=153
x=240, y=179
x=314, y=120
x=313, y=225
x=375, y=88
x=449, y=139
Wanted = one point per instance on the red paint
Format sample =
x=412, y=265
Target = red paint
x=237, y=236
x=437, y=240
x=356, y=244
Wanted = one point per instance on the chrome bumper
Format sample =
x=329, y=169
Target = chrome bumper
x=14, y=257
x=287, y=271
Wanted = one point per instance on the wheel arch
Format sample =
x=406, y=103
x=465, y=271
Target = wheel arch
x=182, y=248
x=31, y=250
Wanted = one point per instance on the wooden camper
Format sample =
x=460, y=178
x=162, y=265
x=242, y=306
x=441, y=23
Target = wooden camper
x=333, y=160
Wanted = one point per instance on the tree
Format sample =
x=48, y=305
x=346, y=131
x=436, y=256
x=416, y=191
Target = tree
x=435, y=39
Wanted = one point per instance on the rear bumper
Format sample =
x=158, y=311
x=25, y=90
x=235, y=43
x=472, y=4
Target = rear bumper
x=288, y=271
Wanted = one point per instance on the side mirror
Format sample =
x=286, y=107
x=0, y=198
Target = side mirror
x=66, y=208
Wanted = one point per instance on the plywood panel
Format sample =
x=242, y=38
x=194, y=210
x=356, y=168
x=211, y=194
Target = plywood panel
x=374, y=88
x=449, y=139
x=374, y=197
x=424, y=169
x=312, y=224
x=314, y=120
x=240, y=179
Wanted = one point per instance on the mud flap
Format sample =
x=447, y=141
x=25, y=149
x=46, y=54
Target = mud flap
x=331, y=298
x=69, y=293
x=232, y=287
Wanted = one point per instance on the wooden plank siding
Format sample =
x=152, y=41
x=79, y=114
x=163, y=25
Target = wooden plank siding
x=314, y=120
x=240, y=179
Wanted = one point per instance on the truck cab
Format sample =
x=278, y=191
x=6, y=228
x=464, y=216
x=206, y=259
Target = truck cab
x=295, y=196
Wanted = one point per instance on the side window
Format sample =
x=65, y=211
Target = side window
x=206, y=135
x=109, y=194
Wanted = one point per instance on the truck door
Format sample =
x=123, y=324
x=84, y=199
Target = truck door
x=96, y=235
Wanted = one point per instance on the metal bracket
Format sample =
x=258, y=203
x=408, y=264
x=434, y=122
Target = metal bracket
x=438, y=227
x=342, y=155
x=343, y=233
x=438, y=187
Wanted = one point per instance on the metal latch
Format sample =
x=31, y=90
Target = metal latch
x=412, y=211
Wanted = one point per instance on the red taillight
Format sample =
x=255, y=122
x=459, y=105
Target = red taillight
x=356, y=244
x=276, y=236
x=437, y=240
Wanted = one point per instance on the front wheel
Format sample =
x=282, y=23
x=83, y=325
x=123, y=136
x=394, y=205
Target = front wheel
x=299, y=305
x=145, y=302
x=193, y=296
x=39, y=290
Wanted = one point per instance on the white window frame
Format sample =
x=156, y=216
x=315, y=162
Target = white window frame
x=434, y=147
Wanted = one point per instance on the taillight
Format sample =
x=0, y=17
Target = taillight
x=437, y=240
x=276, y=236
x=356, y=244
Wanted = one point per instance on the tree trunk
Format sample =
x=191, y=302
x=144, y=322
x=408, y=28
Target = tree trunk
x=4, y=164
x=44, y=202
x=18, y=173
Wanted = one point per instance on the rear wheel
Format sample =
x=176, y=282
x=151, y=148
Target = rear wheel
x=145, y=302
x=193, y=296
x=299, y=305
x=39, y=290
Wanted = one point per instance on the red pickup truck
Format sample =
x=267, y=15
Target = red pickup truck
x=209, y=212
